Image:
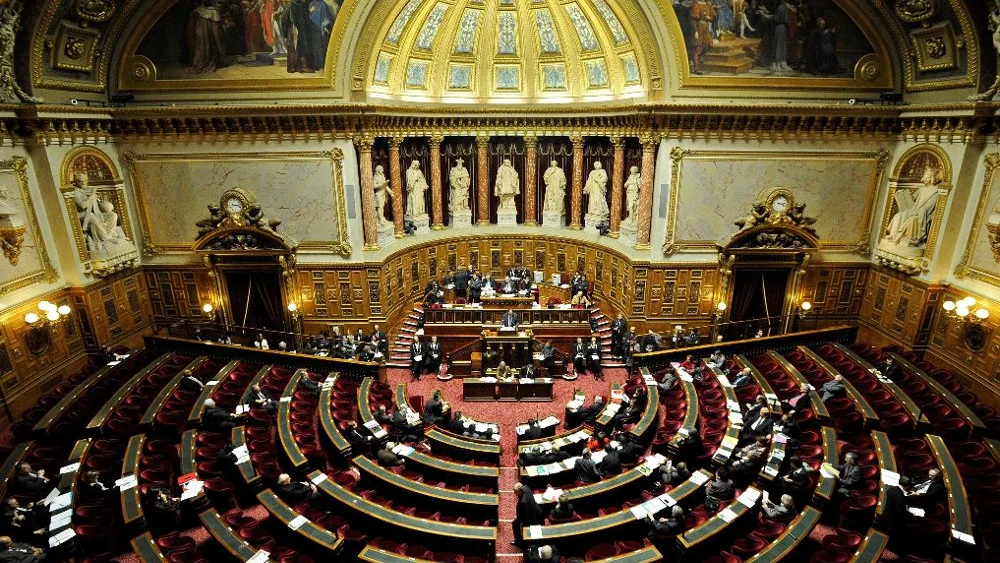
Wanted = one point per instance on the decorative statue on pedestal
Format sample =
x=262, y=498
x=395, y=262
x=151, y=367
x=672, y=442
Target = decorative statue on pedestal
x=381, y=185
x=99, y=221
x=459, y=180
x=993, y=92
x=914, y=212
x=597, y=203
x=416, y=185
x=508, y=186
x=555, y=189
x=632, y=196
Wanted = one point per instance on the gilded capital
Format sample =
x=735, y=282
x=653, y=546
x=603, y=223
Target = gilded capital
x=364, y=142
x=482, y=139
x=395, y=141
x=618, y=142
x=649, y=141
x=436, y=139
x=530, y=141
x=577, y=140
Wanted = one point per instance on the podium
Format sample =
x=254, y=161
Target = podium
x=512, y=347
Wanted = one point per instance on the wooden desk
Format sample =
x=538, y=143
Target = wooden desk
x=194, y=419
x=330, y=429
x=146, y=550
x=513, y=347
x=114, y=400
x=456, y=316
x=295, y=456
x=226, y=537
x=483, y=538
x=42, y=426
x=860, y=403
x=130, y=501
x=975, y=423
x=9, y=467
x=482, y=505
x=246, y=469
x=763, y=383
x=732, y=435
x=67, y=481
x=578, y=435
x=825, y=486
x=958, y=500
x=689, y=426
x=817, y=404
x=365, y=409
x=782, y=547
x=508, y=301
x=775, y=459
x=607, y=415
x=463, y=447
x=697, y=536
x=910, y=407
x=647, y=422
x=886, y=461
x=453, y=472
x=475, y=389
x=324, y=542
x=154, y=408
x=871, y=547
x=369, y=554
x=539, y=390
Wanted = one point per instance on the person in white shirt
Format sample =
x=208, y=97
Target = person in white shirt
x=261, y=342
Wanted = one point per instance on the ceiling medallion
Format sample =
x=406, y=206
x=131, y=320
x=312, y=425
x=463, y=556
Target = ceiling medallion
x=915, y=11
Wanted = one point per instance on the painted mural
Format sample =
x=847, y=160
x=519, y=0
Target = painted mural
x=241, y=39
x=783, y=38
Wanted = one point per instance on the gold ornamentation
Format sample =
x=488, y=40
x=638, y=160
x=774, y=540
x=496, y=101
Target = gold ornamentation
x=870, y=70
x=965, y=268
x=97, y=11
x=18, y=167
x=915, y=11
x=935, y=47
x=12, y=238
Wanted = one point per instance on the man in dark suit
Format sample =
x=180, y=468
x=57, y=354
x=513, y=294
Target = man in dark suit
x=417, y=357
x=378, y=336
x=585, y=469
x=762, y=426
x=215, y=419
x=191, y=383
x=893, y=511
x=618, y=328
x=850, y=474
x=295, y=492
x=510, y=319
x=475, y=288
x=719, y=489
x=261, y=399
x=461, y=282
x=433, y=359
x=594, y=358
x=11, y=552
x=753, y=409
x=528, y=371
x=889, y=369
x=580, y=283
x=548, y=357
x=23, y=523
x=533, y=432
x=579, y=356
x=800, y=400
x=929, y=491
x=667, y=526
x=29, y=483
x=359, y=443
x=833, y=388
x=611, y=464
x=386, y=458
x=529, y=513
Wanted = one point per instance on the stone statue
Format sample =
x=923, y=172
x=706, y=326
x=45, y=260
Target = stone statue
x=10, y=23
x=993, y=92
x=757, y=214
x=416, y=185
x=915, y=211
x=632, y=195
x=98, y=220
x=555, y=189
x=215, y=218
x=382, y=190
x=597, y=188
x=459, y=181
x=508, y=186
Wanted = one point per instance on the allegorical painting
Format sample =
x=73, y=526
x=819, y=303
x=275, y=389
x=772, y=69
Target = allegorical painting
x=784, y=38
x=241, y=39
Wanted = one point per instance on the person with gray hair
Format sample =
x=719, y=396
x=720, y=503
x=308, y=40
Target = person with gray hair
x=783, y=510
x=295, y=492
x=667, y=525
x=542, y=554
x=850, y=474
x=215, y=419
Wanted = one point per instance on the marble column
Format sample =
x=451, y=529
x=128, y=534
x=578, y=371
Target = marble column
x=617, y=184
x=396, y=184
x=576, y=193
x=483, y=174
x=530, y=180
x=437, y=204
x=645, y=211
x=368, y=218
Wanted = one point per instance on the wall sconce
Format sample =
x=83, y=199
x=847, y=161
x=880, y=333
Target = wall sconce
x=293, y=311
x=37, y=338
x=804, y=309
x=720, y=310
x=961, y=311
x=208, y=311
x=993, y=232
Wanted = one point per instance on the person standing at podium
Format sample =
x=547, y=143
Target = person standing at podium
x=579, y=356
x=548, y=357
x=510, y=319
x=433, y=362
x=594, y=358
x=417, y=357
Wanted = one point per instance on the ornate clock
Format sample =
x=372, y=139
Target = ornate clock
x=236, y=202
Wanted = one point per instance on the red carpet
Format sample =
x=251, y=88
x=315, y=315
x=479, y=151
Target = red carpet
x=508, y=415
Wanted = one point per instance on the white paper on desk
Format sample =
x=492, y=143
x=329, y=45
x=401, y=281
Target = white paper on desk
x=259, y=557
x=778, y=454
x=683, y=431
x=211, y=383
x=811, y=388
x=240, y=409
x=667, y=499
x=61, y=520
x=890, y=478
x=61, y=501
x=749, y=497
x=319, y=478
x=771, y=398
x=766, y=496
x=482, y=427
x=192, y=489
x=724, y=381
x=62, y=537
x=69, y=468
x=535, y=532
x=552, y=494
x=729, y=442
x=780, y=438
x=127, y=483
x=548, y=421
x=963, y=537
x=654, y=505
x=527, y=380
x=285, y=400
x=823, y=471
x=638, y=512
x=402, y=450
x=727, y=515
x=686, y=377
x=114, y=363
x=598, y=455
x=298, y=522
x=918, y=512
x=736, y=417
x=733, y=406
x=699, y=478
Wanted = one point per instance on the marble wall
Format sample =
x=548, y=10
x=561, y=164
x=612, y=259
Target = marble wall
x=33, y=264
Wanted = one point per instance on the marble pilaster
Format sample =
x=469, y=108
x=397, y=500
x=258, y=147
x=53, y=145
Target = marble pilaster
x=645, y=211
x=576, y=187
x=530, y=180
x=483, y=174
x=396, y=184
x=437, y=202
x=617, y=184
x=369, y=220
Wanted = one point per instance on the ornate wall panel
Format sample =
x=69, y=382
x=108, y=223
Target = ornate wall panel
x=949, y=346
x=25, y=258
x=117, y=308
x=711, y=189
x=979, y=261
x=899, y=307
x=835, y=291
x=178, y=291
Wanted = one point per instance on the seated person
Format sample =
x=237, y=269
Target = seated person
x=790, y=428
x=929, y=491
x=598, y=441
x=532, y=432
x=689, y=363
x=630, y=450
x=24, y=523
x=692, y=338
x=579, y=283
x=651, y=342
x=674, y=474
x=163, y=512
x=359, y=442
x=261, y=342
x=548, y=357
x=190, y=382
x=611, y=464
x=295, y=492
x=386, y=458
x=92, y=486
x=667, y=380
x=752, y=410
x=31, y=484
x=542, y=554
x=670, y=524
x=11, y=552
x=504, y=372
x=382, y=416
x=585, y=469
x=743, y=378
x=261, y=398
x=215, y=419
x=719, y=490
x=800, y=400
x=563, y=510
x=510, y=319
x=889, y=369
x=749, y=458
x=784, y=510
x=796, y=480
x=437, y=411
x=717, y=359
x=850, y=474
x=528, y=372
x=833, y=388
x=589, y=414
x=581, y=299
x=763, y=425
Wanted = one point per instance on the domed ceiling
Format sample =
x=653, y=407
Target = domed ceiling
x=501, y=50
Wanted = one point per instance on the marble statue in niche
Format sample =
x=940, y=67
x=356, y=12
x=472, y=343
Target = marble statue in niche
x=554, y=204
x=416, y=207
x=632, y=195
x=99, y=222
x=914, y=212
x=381, y=185
x=459, y=180
x=596, y=189
x=507, y=187
x=993, y=92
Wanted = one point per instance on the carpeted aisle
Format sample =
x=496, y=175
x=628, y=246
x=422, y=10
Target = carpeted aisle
x=508, y=416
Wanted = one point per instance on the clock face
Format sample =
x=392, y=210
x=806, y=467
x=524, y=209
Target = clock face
x=234, y=206
x=779, y=204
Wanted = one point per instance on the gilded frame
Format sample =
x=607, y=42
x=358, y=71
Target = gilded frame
x=340, y=247
x=18, y=167
x=678, y=154
x=942, y=200
x=115, y=189
x=965, y=268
